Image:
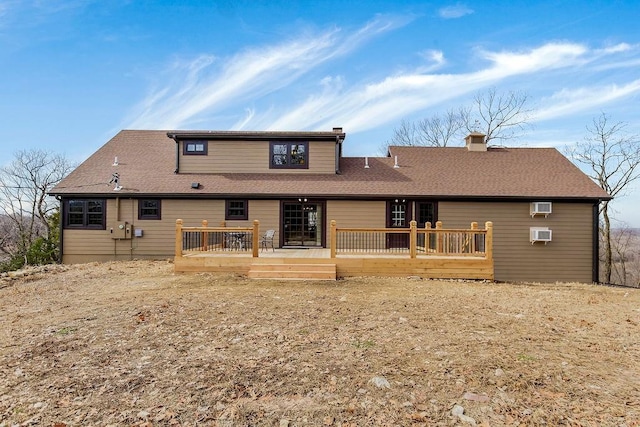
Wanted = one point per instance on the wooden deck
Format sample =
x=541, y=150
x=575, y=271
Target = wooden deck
x=332, y=263
x=431, y=267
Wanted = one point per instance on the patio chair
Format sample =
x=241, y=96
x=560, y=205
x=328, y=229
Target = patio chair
x=234, y=241
x=267, y=239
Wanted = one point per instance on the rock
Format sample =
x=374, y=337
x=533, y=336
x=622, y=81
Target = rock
x=380, y=382
x=458, y=411
x=499, y=372
x=38, y=405
x=284, y=423
x=402, y=320
x=476, y=397
x=143, y=415
x=18, y=372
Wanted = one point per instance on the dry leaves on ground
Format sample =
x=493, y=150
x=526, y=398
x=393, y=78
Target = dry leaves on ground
x=132, y=343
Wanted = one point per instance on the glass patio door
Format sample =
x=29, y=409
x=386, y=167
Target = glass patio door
x=302, y=224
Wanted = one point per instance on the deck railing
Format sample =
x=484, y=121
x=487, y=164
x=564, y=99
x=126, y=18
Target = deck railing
x=221, y=239
x=413, y=242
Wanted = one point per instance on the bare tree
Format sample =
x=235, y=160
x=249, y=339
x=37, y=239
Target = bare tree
x=500, y=116
x=435, y=131
x=612, y=157
x=625, y=242
x=405, y=134
x=24, y=200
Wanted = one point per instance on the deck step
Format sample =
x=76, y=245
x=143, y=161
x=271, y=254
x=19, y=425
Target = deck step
x=292, y=271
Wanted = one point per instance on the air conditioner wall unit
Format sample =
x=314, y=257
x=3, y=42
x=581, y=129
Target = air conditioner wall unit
x=538, y=234
x=541, y=208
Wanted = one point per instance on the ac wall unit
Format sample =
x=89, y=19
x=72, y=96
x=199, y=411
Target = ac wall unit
x=540, y=235
x=540, y=208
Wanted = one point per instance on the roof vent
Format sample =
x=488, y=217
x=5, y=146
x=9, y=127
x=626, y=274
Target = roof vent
x=475, y=141
x=395, y=163
x=366, y=163
x=195, y=185
x=337, y=130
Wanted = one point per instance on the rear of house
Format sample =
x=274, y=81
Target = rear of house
x=544, y=210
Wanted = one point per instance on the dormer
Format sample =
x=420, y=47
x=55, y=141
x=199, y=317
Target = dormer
x=475, y=141
x=225, y=152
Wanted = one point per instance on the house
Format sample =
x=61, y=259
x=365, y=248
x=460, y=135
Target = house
x=124, y=200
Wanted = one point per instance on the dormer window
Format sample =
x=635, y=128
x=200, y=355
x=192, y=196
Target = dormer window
x=289, y=155
x=192, y=148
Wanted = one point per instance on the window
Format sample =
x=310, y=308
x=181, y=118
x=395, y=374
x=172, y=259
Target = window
x=289, y=155
x=398, y=215
x=426, y=212
x=149, y=209
x=195, y=148
x=236, y=209
x=85, y=214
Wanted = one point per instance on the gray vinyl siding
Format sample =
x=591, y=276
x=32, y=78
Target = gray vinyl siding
x=361, y=214
x=567, y=258
x=253, y=157
x=158, y=236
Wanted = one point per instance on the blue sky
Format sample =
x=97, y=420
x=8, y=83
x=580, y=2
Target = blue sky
x=75, y=72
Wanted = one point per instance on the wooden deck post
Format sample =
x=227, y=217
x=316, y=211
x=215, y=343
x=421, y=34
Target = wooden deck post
x=178, y=248
x=439, y=237
x=256, y=237
x=488, y=242
x=413, y=239
x=427, y=236
x=472, y=244
x=223, y=224
x=204, y=236
x=332, y=238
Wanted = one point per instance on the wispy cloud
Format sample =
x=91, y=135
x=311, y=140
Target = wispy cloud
x=366, y=107
x=457, y=10
x=262, y=88
x=212, y=85
x=570, y=101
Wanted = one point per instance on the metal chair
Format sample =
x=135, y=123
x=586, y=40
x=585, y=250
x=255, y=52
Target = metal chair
x=267, y=239
x=234, y=241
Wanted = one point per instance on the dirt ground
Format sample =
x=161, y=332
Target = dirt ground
x=132, y=343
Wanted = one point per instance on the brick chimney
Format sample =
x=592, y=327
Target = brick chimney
x=475, y=142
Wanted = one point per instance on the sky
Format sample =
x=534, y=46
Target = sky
x=73, y=73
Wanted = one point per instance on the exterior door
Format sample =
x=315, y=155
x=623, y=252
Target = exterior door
x=426, y=212
x=398, y=216
x=302, y=223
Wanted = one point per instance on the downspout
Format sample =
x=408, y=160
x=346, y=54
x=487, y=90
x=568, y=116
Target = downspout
x=595, y=274
x=115, y=241
x=61, y=229
x=131, y=232
x=177, y=157
x=337, y=154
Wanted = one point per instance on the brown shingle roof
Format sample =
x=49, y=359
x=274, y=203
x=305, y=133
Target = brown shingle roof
x=147, y=164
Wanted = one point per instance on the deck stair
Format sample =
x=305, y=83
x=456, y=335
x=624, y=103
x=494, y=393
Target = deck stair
x=292, y=271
